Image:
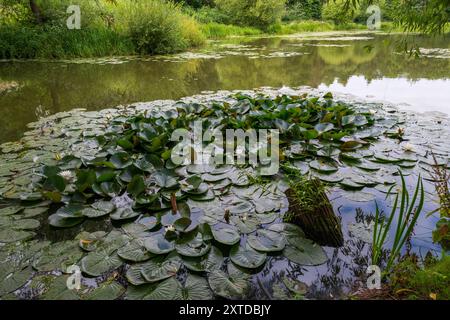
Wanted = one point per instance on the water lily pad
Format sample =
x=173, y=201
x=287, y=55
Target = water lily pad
x=350, y=184
x=164, y=179
x=10, y=210
x=58, y=256
x=90, y=241
x=226, y=235
x=359, y=196
x=97, y=263
x=124, y=214
x=58, y=290
x=157, y=244
x=106, y=291
x=134, y=251
x=208, y=262
x=323, y=127
x=323, y=166
x=241, y=207
x=12, y=278
x=160, y=268
x=266, y=241
x=246, y=224
x=195, y=288
x=304, y=252
x=8, y=235
x=164, y=290
x=246, y=257
x=227, y=287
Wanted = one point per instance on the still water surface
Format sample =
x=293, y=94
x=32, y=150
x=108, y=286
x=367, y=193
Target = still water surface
x=370, y=66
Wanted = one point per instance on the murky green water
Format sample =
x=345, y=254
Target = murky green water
x=367, y=65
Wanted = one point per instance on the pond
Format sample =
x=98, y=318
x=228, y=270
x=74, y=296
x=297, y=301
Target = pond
x=367, y=65
x=344, y=63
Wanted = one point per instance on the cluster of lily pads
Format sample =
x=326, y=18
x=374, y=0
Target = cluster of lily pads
x=187, y=231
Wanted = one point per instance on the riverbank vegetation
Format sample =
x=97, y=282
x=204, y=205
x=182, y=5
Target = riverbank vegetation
x=38, y=29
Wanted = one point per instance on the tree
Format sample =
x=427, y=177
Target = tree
x=427, y=16
x=36, y=11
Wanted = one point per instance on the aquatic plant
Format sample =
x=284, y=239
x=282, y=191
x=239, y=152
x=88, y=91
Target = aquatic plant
x=310, y=208
x=157, y=221
x=408, y=213
x=441, y=179
x=412, y=279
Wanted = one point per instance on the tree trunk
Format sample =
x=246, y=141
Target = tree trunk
x=36, y=11
x=321, y=225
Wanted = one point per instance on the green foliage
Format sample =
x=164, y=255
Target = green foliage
x=157, y=26
x=335, y=11
x=430, y=17
x=408, y=214
x=441, y=179
x=258, y=13
x=213, y=30
x=432, y=281
x=303, y=10
x=208, y=15
x=125, y=28
x=307, y=193
x=28, y=42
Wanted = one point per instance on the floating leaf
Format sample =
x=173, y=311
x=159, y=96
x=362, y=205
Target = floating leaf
x=164, y=290
x=97, y=263
x=266, y=241
x=226, y=287
x=195, y=288
x=134, y=251
x=304, y=252
x=246, y=257
x=157, y=244
x=208, y=262
x=226, y=236
x=160, y=268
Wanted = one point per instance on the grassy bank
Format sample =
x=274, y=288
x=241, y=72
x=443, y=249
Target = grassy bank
x=213, y=30
x=53, y=42
x=122, y=28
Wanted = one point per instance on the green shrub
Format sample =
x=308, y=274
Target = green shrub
x=257, y=13
x=157, y=26
x=432, y=281
x=28, y=42
x=208, y=14
x=124, y=28
x=303, y=10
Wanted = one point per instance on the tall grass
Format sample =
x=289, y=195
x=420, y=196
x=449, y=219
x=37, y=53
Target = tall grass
x=125, y=28
x=49, y=42
x=158, y=26
x=407, y=216
x=213, y=30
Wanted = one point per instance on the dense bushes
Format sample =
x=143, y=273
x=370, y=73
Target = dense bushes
x=303, y=10
x=127, y=27
x=258, y=13
x=335, y=11
x=158, y=27
x=26, y=42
